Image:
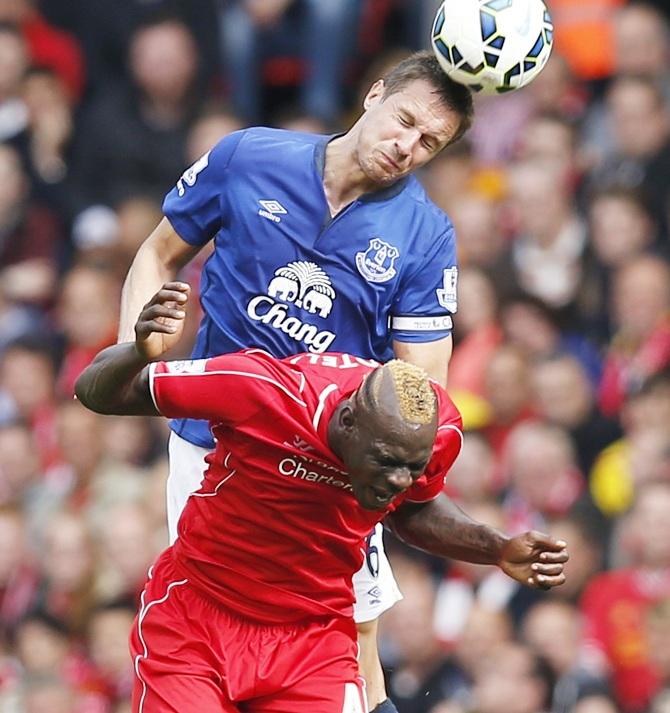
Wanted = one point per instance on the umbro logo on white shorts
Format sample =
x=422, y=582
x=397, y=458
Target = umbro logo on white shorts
x=271, y=210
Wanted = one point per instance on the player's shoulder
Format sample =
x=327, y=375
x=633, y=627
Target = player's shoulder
x=423, y=210
x=338, y=368
x=259, y=146
x=262, y=358
x=262, y=137
x=277, y=141
x=268, y=372
x=250, y=362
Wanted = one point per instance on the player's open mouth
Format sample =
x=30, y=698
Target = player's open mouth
x=380, y=496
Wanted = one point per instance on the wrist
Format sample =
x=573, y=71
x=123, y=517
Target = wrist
x=499, y=545
x=139, y=354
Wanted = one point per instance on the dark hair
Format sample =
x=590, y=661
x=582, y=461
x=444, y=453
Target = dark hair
x=555, y=117
x=424, y=65
x=124, y=602
x=11, y=28
x=41, y=70
x=618, y=191
x=518, y=297
x=41, y=346
x=42, y=617
x=155, y=18
x=542, y=671
x=648, y=83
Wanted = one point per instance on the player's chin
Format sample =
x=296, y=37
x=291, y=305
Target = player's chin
x=383, y=175
x=372, y=507
x=388, y=178
x=371, y=500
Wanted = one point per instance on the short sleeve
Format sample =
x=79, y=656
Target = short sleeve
x=227, y=389
x=427, y=295
x=196, y=206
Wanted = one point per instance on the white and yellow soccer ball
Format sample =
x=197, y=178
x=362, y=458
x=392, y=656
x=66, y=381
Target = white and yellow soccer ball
x=492, y=46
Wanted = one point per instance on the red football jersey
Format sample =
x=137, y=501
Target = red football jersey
x=615, y=606
x=274, y=532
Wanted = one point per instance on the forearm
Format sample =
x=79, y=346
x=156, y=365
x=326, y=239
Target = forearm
x=113, y=384
x=146, y=276
x=433, y=357
x=157, y=262
x=443, y=529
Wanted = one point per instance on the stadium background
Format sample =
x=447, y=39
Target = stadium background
x=561, y=365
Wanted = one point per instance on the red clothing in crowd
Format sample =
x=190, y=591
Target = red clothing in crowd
x=468, y=363
x=75, y=360
x=56, y=49
x=37, y=235
x=17, y=595
x=624, y=370
x=614, y=607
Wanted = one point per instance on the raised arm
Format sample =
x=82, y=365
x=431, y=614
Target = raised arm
x=431, y=356
x=442, y=528
x=117, y=380
x=157, y=261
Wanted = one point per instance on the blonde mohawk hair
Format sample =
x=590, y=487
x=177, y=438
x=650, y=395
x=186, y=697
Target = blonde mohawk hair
x=416, y=399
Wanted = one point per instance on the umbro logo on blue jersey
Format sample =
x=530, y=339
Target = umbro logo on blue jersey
x=272, y=210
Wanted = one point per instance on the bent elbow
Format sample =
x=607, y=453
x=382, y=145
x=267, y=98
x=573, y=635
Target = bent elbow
x=83, y=391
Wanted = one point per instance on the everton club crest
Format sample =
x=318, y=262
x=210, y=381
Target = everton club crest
x=376, y=263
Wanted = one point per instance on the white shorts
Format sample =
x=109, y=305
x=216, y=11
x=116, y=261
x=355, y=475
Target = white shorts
x=374, y=584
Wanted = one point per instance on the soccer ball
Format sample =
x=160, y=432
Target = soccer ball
x=492, y=46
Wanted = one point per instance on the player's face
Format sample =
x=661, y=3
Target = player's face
x=385, y=458
x=402, y=132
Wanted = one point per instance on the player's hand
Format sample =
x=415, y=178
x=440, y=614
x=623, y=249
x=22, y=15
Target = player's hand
x=535, y=559
x=161, y=322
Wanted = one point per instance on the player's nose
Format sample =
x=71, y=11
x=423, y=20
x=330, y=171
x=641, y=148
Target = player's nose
x=406, y=141
x=399, y=479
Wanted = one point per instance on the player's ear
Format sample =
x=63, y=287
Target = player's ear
x=347, y=418
x=375, y=94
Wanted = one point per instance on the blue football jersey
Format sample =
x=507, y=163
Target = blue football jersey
x=286, y=277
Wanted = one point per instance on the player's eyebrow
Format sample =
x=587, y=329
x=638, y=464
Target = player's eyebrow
x=381, y=452
x=385, y=457
x=408, y=116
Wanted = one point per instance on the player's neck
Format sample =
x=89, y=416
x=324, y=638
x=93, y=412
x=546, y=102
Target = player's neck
x=343, y=179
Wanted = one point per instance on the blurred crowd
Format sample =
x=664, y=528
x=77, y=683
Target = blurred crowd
x=561, y=367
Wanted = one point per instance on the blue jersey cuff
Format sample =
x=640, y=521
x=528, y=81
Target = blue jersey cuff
x=419, y=337
x=187, y=229
x=416, y=328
